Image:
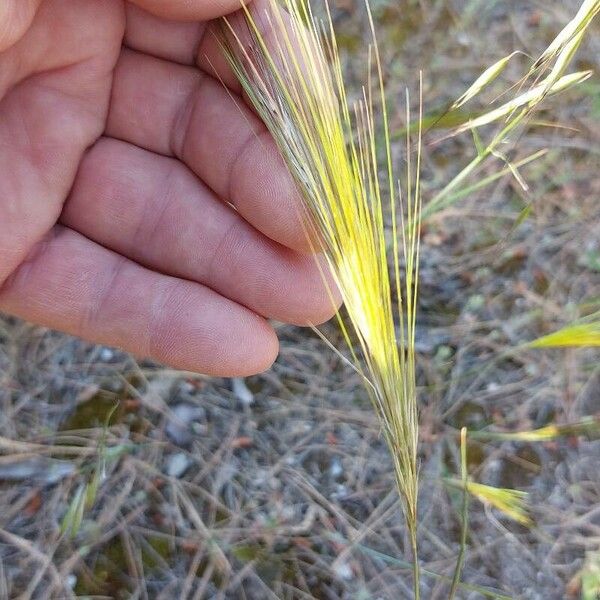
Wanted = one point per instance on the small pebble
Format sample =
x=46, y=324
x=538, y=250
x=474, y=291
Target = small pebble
x=106, y=354
x=344, y=571
x=336, y=469
x=242, y=392
x=179, y=428
x=37, y=469
x=177, y=464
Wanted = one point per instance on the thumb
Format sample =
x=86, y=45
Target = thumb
x=15, y=18
x=189, y=10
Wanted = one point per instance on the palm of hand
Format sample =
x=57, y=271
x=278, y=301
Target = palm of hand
x=119, y=159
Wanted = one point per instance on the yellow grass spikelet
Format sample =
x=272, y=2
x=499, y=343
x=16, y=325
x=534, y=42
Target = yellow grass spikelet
x=588, y=426
x=526, y=100
x=351, y=200
x=571, y=34
x=583, y=334
x=485, y=79
x=512, y=503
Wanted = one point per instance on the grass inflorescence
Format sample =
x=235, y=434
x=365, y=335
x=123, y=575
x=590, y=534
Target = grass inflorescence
x=295, y=83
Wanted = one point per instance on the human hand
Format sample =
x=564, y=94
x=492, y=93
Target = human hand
x=119, y=157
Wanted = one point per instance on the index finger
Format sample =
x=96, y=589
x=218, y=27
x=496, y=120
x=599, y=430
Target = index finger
x=196, y=44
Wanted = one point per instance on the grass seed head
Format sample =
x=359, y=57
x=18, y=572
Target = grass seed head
x=294, y=80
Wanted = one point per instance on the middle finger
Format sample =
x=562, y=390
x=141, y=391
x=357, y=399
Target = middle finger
x=154, y=210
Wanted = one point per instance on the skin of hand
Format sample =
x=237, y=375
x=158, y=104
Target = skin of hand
x=142, y=204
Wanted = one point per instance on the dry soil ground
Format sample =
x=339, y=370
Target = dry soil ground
x=280, y=486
